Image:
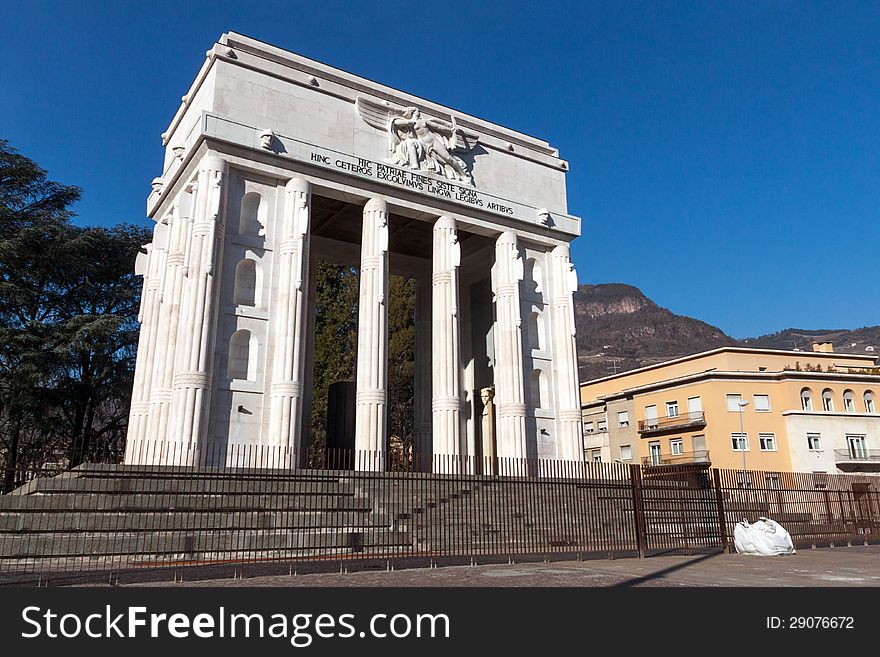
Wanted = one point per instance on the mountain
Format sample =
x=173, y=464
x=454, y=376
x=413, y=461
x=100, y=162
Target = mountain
x=620, y=329
x=858, y=341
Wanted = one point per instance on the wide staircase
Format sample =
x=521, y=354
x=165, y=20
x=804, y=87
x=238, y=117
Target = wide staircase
x=106, y=517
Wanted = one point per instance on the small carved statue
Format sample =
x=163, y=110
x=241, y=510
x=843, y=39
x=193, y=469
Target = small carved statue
x=267, y=139
x=157, y=185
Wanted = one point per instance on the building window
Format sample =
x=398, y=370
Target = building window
x=623, y=418
x=603, y=425
x=536, y=334
x=827, y=401
x=252, y=220
x=814, y=442
x=699, y=443
x=849, y=404
x=740, y=442
x=743, y=479
x=733, y=402
x=869, y=402
x=856, y=446
x=654, y=451
x=242, y=363
x=588, y=427
x=762, y=403
x=807, y=399
x=537, y=388
x=672, y=409
x=626, y=453
x=246, y=277
x=820, y=479
x=773, y=481
x=767, y=441
x=596, y=456
x=676, y=447
x=651, y=417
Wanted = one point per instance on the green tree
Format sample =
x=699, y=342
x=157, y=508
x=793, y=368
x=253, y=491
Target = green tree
x=336, y=325
x=68, y=305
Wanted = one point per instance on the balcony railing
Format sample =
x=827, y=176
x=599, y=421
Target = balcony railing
x=857, y=455
x=674, y=423
x=685, y=458
x=857, y=460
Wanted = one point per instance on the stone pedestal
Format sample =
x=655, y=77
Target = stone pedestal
x=372, y=356
x=487, y=431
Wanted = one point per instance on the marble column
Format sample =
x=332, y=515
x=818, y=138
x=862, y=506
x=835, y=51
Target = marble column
x=446, y=346
x=286, y=390
x=148, y=317
x=169, y=316
x=194, y=358
x=372, y=356
x=422, y=447
x=510, y=407
x=563, y=281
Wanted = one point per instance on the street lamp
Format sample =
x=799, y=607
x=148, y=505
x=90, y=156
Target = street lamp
x=742, y=404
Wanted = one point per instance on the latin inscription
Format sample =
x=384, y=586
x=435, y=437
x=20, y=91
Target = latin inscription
x=411, y=180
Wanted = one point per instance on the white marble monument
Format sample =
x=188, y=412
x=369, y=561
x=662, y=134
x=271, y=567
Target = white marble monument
x=275, y=162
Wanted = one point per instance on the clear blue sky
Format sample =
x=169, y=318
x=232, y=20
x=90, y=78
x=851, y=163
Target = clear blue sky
x=725, y=156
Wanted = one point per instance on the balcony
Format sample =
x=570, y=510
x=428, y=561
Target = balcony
x=857, y=460
x=700, y=457
x=683, y=422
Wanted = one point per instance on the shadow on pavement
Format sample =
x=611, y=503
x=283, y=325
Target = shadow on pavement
x=660, y=574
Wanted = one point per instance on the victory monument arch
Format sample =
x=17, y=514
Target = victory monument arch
x=274, y=162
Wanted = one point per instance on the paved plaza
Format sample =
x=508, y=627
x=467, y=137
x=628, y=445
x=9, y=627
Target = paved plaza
x=844, y=566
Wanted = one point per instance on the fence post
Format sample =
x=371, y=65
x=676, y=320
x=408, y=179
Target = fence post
x=635, y=474
x=719, y=501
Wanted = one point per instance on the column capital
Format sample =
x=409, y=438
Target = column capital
x=445, y=221
x=213, y=162
x=298, y=185
x=376, y=204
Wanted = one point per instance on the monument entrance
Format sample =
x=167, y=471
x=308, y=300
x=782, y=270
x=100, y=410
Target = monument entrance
x=275, y=163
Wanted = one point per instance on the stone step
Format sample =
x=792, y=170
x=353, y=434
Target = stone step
x=186, y=520
x=206, y=486
x=95, y=544
x=72, y=502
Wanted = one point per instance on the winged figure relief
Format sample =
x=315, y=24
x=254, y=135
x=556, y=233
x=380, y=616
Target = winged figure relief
x=418, y=142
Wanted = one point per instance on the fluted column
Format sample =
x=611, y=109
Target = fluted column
x=194, y=358
x=446, y=345
x=563, y=281
x=510, y=407
x=372, y=356
x=286, y=389
x=148, y=316
x=422, y=448
x=169, y=314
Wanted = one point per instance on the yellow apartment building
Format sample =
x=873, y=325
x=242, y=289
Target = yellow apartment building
x=798, y=411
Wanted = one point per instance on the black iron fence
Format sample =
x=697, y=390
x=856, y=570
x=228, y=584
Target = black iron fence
x=269, y=509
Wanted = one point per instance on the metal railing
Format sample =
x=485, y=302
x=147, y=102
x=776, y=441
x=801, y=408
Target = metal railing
x=671, y=423
x=857, y=455
x=218, y=512
x=683, y=458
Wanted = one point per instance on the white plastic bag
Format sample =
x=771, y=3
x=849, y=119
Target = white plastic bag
x=765, y=537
